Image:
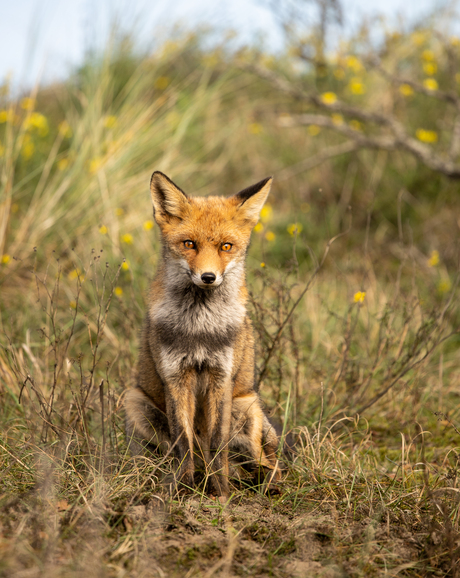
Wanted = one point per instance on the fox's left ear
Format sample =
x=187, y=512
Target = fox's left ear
x=167, y=198
x=252, y=199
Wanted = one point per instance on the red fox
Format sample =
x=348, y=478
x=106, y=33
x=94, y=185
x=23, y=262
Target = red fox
x=195, y=390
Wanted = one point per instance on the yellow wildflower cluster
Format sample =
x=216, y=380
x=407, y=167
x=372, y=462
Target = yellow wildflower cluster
x=5, y=259
x=28, y=147
x=314, y=129
x=329, y=98
x=118, y=291
x=63, y=163
x=356, y=125
x=406, y=90
x=418, y=37
x=270, y=236
x=94, y=165
x=148, y=225
x=356, y=86
x=76, y=273
x=64, y=129
x=258, y=228
x=359, y=297
x=127, y=238
x=266, y=214
x=294, y=229
x=103, y=230
x=110, y=121
x=37, y=121
x=430, y=68
x=430, y=84
x=255, y=128
x=429, y=136
x=354, y=63
x=433, y=261
x=337, y=119
x=125, y=266
x=444, y=286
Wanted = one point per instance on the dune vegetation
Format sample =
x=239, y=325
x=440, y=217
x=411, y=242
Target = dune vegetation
x=353, y=272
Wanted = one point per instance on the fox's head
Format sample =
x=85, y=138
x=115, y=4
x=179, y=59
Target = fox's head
x=206, y=237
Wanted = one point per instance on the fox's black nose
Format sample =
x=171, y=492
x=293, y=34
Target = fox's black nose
x=208, y=278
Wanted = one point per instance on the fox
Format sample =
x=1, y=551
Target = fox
x=195, y=393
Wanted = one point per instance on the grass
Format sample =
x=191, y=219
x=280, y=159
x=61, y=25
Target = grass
x=355, y=313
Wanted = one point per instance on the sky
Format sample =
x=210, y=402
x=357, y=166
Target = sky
x=41, y=40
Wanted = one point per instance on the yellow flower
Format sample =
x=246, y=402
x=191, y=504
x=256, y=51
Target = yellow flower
x=406, y=90
x=118, y=291
x=359, y=297
x=119, y=212
x=418, y=38
x=259, y=228
x=356, y=125
x=337, y=119
x=5, y=259
x=314, y=129
x=339, y=73
x=63, y=164
x=127, y=238
x=428, y=55
x=110, y=121
x=430, y=68
x=6, y=116
x=74, y=274
x=430, y=84
x=356, y=86
x=354, y=63
x=28, y=149
x=38, y=121
x=73, y=304
x=27, y=103
x=429, y=136
x=434, y=259
x=255, y=128
x=294, y=229
x=329, y=98
x=266, y=214
x=64, y=129
x=162, y=82
x=103, y=230
x=125, y=265
x=94, y=165
x=262, y=264
x=444, y=286
x=148, y=225
x=270, y=236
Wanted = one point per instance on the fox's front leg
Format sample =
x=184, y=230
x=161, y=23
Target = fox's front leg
x=180, y=410
x=218, y=417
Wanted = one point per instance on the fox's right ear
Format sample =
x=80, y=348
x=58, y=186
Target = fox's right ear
x=167, y=198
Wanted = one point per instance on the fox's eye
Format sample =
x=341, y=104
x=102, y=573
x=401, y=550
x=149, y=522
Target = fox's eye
x=189, y=244
x=226, y=247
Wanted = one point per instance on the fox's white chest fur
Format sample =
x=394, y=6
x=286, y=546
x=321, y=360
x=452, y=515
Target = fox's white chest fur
x=197, y=327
